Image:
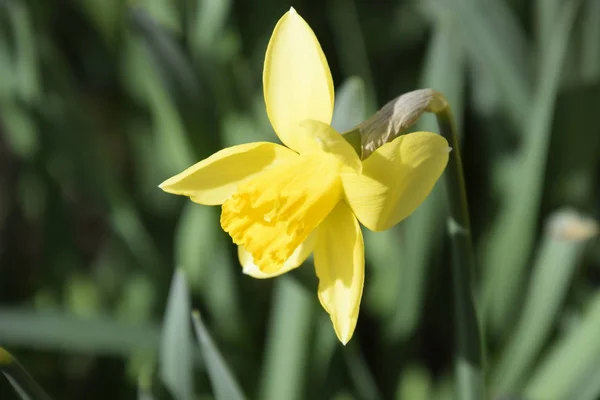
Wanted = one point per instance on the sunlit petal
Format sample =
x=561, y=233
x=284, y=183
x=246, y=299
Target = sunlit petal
x=340, y=264
x=396, y=178
x=214, y=179
x=297, y=258
x=296, y=80
x=330, y=141
x=272, y=213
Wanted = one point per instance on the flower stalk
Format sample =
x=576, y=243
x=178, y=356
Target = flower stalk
x=390, y=122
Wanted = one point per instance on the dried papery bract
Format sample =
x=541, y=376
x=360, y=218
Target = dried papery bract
x=395, y=118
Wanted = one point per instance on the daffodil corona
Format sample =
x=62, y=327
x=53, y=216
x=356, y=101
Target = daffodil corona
x=280, y=204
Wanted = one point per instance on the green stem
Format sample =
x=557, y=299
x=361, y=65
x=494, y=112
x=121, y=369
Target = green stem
x=468, y=358
x=24, y=385
x=389, y=122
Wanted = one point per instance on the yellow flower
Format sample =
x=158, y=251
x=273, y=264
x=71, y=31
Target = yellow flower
x=280, y=204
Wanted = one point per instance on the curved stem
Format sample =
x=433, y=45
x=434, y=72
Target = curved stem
x=468, y=357
x=389, y=122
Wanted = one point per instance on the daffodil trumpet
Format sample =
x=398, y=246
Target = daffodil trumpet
x=281, y=203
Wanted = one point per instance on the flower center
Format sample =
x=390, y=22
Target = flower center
x=275, y=211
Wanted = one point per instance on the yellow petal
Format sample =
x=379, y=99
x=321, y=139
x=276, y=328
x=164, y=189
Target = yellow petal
x=297, y=258
x=214, y=179
x=272, y=213
x=396, y=178
x=296, y=80
x=340, y=266
x=330, y=141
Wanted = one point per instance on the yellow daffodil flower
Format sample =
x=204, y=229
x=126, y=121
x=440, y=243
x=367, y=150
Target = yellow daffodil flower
x=280, y=204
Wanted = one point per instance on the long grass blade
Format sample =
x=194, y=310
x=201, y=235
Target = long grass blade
x=195, y=237
x=326, y=343
x=145, y=383
x=494, y=41
x=59, y=331
x=588, y=387
x=21, y=381
x=571, y=358
x=353, y=53
x=288, y=337
x=415, y=384
x=26, y=68
x=546, y=13
x=222, y=380
x=559, y=255
x=590, y=52
x=176, y=355
x=350, y=104
x=362, y=377
x=510, y=241
x=208, y=24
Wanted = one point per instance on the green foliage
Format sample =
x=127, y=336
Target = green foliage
x=100, y=101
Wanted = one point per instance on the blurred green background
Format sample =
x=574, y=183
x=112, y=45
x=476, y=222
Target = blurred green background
x=101, y=100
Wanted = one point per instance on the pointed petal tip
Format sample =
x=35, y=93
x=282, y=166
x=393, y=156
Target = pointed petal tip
x=297, y=82
x=165, y=187
x=344, y=336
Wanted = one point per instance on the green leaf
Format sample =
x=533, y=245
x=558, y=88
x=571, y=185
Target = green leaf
x=145, y=383
x=163, y=12
x=326, y=343
x=588, y=387
x=510, y=240
x=107, y=16
x=222, y=380
x=220, y=293
x=414, y=383
x=553, y=268
x=171, y=146
x=238, y=128
x=58, y=331
x=569, y=359
x=127, y=225
x=362, y=377
x=445, y=389
x=209, y=24
x=350, y=105
x=26, y=67
x=23, y=384
x=495, y=43
x=195, y=237
x=352, y=49
x=590, y=52
x=21, y=132
x=176, y=350
x=288, y=337
x=546, y=13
